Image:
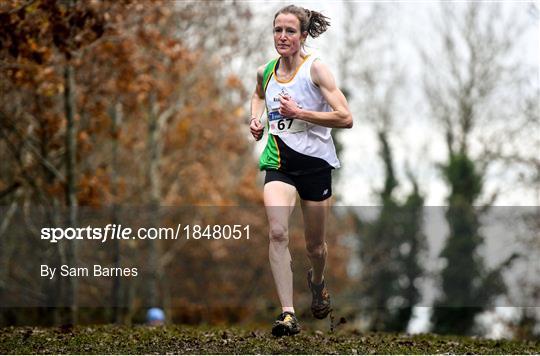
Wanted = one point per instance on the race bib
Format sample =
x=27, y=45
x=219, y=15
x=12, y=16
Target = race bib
x=280, y=124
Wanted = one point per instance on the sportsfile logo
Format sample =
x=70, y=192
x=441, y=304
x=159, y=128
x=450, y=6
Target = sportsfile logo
x=109, y=232
x=119, y=232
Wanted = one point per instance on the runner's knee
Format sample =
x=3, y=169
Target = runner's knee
x=279, y=233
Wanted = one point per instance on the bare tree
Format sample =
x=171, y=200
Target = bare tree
x=466, y=75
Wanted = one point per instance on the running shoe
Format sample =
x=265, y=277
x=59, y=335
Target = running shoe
x=320, y=303
x=286, y=325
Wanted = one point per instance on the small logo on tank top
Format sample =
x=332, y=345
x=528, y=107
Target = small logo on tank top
x=283, y=92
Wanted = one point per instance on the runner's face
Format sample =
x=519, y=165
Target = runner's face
x=287, y=36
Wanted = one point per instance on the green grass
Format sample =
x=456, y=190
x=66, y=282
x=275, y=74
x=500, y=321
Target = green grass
x=110, y=339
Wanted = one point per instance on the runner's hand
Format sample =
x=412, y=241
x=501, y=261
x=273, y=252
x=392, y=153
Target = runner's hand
x=256, y=128
x=288, y=108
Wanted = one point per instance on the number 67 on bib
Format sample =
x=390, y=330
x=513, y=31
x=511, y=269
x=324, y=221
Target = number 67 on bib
x=280, y=124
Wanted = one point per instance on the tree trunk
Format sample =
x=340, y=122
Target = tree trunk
x=71, y=197
x=116, y=295
x=154, y=149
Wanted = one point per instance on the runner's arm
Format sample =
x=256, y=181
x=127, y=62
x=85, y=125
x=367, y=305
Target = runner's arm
x=257, y=107
x=257, y=100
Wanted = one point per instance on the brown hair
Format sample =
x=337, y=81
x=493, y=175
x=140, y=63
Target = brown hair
x=313, y=22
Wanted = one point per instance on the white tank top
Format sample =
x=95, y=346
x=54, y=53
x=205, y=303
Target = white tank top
x=306, y=138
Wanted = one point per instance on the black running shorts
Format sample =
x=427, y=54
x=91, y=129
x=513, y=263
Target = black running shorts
x=314, y=186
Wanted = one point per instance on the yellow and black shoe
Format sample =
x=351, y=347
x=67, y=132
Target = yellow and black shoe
x=286, y=325
x=320, y=303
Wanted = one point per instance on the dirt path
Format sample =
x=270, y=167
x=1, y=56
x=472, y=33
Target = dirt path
x=109, y=339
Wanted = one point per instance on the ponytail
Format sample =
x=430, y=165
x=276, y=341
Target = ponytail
x=311, y=21
x=318, y=23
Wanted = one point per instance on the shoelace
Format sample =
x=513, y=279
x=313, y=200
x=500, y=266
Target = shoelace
x=283, y=316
